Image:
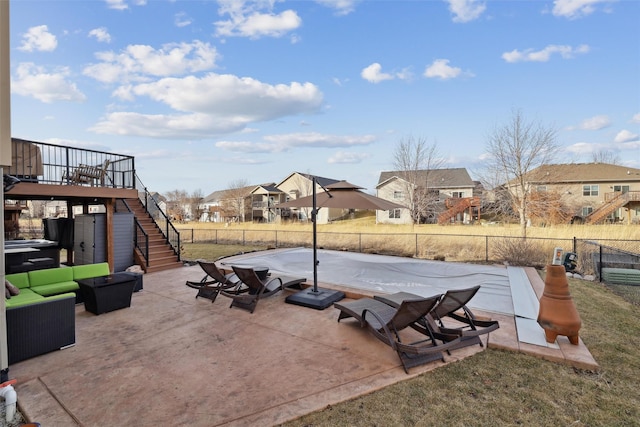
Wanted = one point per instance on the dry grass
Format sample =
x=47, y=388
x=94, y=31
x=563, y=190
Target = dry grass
x=471, y=243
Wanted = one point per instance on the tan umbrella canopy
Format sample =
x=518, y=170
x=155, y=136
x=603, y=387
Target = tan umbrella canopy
x=341, y=194
x=345, y=195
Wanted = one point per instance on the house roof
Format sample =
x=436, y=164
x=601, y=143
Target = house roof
x=583, y=172
x=434, y=178
x=219, y=195
x=266, y=188
x=319, y=179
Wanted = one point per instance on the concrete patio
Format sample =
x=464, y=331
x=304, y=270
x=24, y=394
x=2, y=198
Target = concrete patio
x=173, y=359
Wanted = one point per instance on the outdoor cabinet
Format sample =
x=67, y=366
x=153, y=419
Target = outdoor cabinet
x=90, y=239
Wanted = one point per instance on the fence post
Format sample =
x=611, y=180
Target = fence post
x=575, y=245
x=600, y=264
x=416, y=251
x=243, y=237
x=216, y=239
x=486, y=248
x=276, y=239
x=192, y=236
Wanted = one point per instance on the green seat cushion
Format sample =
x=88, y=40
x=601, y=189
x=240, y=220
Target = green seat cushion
x=56, y=288
x=25, y=297
x=36, y=299
x=87, y=271
x=50, y=276
x=21, y=280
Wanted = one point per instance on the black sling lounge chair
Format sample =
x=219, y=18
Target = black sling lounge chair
x=258, y=288
x=386, y=322
x=452, y=304
x=215, y=281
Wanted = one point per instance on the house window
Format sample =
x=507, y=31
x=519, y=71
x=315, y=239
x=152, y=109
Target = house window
x=621, y=188
x=541, y=188
x=586, y=210
x=398, y=195
x=589, y=190
x=394, y=213
x=457, y=194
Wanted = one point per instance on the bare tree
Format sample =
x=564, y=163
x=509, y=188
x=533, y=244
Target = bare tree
x=195, y=200
x=176, y=202
x=606, y=156
x=515, y=149
x=233, y=199
x=414, y=159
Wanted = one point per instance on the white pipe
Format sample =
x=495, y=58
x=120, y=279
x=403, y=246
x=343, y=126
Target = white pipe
x=10, y=400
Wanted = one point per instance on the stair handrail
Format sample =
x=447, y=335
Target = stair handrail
x=169, y=231
x=144, y=249
x=604, y=210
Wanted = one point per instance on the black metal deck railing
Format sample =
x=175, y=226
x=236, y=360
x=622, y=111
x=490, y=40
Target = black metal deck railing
x=45, y=163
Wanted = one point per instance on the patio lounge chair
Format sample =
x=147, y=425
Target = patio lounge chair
x=452, y=304
x=258, y=288
x=214, y=281
x=386, y=322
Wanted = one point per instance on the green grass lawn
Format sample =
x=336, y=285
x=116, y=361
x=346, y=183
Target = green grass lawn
x=502, y=388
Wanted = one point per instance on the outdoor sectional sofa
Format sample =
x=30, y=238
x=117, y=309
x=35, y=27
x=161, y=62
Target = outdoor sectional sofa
x=41, y=318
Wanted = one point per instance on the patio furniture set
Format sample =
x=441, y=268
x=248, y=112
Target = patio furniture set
x=245, y=285
x=443, y=321
x=41, y=304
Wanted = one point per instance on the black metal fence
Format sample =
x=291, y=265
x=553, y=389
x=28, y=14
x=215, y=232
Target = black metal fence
x=534, y=251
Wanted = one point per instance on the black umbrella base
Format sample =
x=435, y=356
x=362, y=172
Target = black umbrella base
x=320, y=299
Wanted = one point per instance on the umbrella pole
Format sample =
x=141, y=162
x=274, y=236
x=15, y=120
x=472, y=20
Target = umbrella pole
x=314, y=297
x=314, y=213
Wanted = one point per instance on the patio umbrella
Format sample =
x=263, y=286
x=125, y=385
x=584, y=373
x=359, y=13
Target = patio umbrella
x=341, y=194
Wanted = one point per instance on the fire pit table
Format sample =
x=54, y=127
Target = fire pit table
x=107, y=293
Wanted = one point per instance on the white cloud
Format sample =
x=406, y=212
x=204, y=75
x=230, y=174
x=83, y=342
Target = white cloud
x=38, y=39
x=101, y=34
x=346, y=157
x=212, y=105
x=182, y=20
x=122, y=4
x=573, y=9
x=254, y=19
x=138, y=62
x=441, y=69
x=625, y=136
x=45, y=86
x=596, y=123
x=529, y=55
x=285, y=142
x=342, y=7
x=117, y=4
x=373, y=73
x=635, y=118
x=466, y=10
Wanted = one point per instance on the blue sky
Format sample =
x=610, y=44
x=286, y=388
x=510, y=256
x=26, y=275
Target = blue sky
x=204, y=93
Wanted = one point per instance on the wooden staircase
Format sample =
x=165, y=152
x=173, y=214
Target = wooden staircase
x=161, y=254
x=457, y=206
x=607, y=209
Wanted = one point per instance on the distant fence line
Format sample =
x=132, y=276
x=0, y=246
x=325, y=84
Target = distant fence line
x=537, y=251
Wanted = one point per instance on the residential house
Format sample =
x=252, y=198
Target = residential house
x=594, y=192
x=440, y=186
x=298, y=185
x=250, y=203
x=264, y=198
x=211, y=208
